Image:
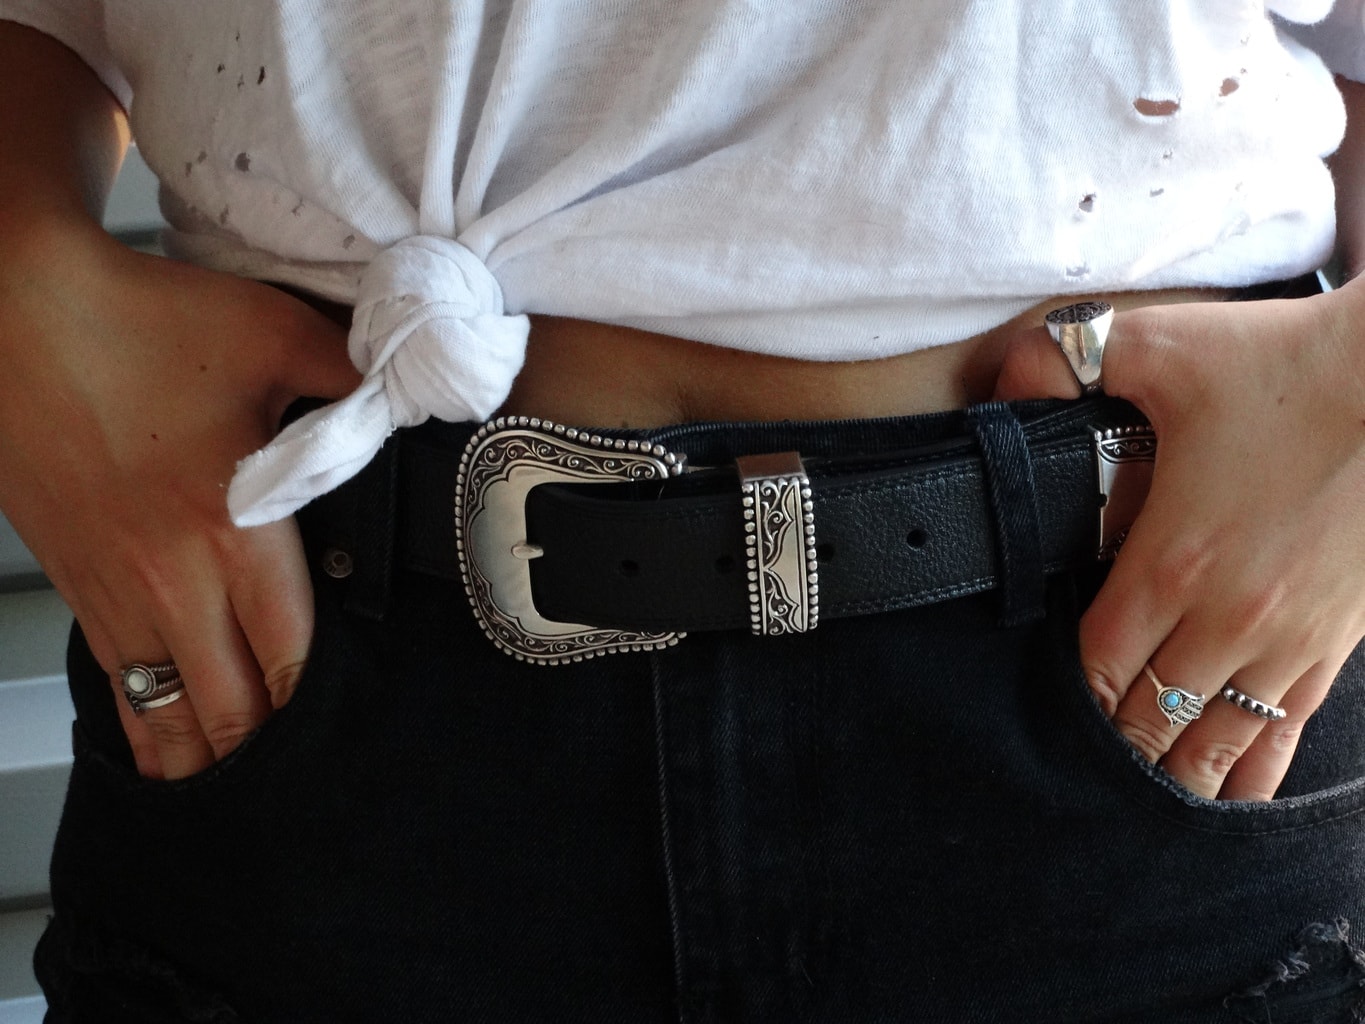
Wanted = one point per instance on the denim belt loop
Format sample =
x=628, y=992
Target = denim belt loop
x=1014, y=506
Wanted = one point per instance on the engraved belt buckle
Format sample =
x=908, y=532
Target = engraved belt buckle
x=502, y=462
x=1125, y=457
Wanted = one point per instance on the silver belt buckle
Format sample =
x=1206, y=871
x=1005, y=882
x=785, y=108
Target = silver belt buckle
x=1125, y=458
x=502, y=462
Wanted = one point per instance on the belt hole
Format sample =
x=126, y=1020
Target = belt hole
x=628, y=568
x=824, y=552
x=725, y=564
x=916, y=538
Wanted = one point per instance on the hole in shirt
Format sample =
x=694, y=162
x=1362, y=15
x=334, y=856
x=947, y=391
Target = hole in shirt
x=261, y=77
x=1239, y=226
x=1153, y=193
x=1155, y=108
x=1230, y=86
x=916, y=538
x=1087, y=202
x=348, y=241
x=243, y=162
x=1082, y=271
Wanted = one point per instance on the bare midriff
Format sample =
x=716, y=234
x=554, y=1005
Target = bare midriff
x=589, y=374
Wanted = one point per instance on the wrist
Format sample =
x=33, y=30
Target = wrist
x=45, y=247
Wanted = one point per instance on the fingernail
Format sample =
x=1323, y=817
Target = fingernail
x=282, y=684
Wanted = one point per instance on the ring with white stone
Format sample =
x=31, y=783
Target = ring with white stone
x=1179, y=706
x=151, y=686
x=1080, y=331
x=1246, y=702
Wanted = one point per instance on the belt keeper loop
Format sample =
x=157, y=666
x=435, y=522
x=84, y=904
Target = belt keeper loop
x=376, y=515
x=779, y=544
x=1014, y=507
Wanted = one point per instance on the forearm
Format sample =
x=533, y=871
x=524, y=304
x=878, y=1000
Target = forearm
x=65, y=137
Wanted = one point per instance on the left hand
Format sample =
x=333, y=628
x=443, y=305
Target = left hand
x=1247, y=563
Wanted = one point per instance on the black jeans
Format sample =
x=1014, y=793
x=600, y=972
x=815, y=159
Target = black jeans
x=918, y=815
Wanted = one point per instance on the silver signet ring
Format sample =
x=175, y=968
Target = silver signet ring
x=1080, y=331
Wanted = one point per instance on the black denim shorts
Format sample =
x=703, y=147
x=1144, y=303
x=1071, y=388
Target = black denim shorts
x=914, y=815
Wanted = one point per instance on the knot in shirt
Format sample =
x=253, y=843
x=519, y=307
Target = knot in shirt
x=429, y=319
x=431, y=338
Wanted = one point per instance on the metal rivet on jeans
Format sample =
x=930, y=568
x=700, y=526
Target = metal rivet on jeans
x=337, y=563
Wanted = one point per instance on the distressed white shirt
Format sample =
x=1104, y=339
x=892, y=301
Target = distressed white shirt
x=819, y=179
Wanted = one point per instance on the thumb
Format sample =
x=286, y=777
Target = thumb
x=321, y=366
x=1034, y=367
x=311, y=360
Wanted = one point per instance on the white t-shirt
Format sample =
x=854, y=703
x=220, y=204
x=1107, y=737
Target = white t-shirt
x=821, y=179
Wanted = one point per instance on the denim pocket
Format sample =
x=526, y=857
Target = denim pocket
x=102, y=754
x=1326, y=780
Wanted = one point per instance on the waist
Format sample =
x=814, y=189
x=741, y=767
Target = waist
x=578, y=371
x=574, y=542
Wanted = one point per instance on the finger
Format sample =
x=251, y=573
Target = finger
x=1205, y=648
x=1138, y=353
x=323, y=367
x=316, y=362
x=222, y=681
x=140, y=739
x=1187, y=664
x=1258, y=773
x=1128, y=620
x=1207, y=751
x=274, y=605
x=1034, y=367
x=1142, y=714
x=145, y=756
x=181, y=748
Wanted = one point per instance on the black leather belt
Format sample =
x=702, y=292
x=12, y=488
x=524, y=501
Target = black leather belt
x=887, y=537
x=560, y=568
x=573, y=544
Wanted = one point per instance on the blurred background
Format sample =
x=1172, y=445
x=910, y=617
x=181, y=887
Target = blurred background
x=35, y=713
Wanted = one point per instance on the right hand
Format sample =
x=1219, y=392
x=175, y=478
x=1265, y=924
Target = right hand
x=132, y=386
x=1246, y=564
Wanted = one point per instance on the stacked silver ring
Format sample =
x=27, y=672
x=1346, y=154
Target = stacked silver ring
x=1246, y=702
x=151, y=686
